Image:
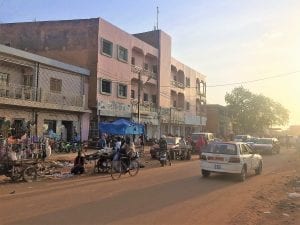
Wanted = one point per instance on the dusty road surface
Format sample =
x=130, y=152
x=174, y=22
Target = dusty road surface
x=169, y=195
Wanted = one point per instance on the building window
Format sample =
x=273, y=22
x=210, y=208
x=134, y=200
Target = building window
x=153, y=99
x=122, y=90
x=187, y=82
x=132, y=94
x=174, y=103
x=132, y=61
x=105, y=86
x=154, y=68
x=122, y=54
x=187, y=106
x=146, y=66
x=106, y=47
x=4, y=78
x=28, y=80
x=146, y=97
x=55, y=85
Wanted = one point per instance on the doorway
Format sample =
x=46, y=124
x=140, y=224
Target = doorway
x=67, y=133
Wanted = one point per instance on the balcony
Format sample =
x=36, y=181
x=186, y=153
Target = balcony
x=136, y=69
x=26, y=96
x=177, y=84
x=145, y=107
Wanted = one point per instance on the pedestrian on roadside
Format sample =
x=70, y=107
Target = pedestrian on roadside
x=78, y=164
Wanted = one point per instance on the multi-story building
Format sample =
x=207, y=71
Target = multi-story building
x=132, y=76
x=42, y=94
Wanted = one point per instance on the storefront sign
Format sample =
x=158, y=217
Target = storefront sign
x=113, y=108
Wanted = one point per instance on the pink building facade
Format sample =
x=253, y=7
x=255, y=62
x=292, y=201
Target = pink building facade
x=132, y=76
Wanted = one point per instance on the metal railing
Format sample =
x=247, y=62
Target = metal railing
x=18, y=92
x=137, y=69
x=28, y=93
x=177, y=84
x=144, y=108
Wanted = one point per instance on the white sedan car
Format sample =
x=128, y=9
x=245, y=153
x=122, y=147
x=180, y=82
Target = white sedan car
x=230, y=157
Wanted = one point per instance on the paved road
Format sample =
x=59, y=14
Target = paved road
x=169, y=195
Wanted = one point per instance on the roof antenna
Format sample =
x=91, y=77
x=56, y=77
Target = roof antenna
x=157, y=12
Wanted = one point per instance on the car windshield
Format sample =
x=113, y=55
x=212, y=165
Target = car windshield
x=264, y=141
x=171, y=141
x=254, y=140
x=221, y=148
x=242, y=137
x=195, y=137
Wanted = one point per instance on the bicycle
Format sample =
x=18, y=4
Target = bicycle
x=126, y=164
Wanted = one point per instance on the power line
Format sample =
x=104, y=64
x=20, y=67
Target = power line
x=256, y=80
x=217, y=85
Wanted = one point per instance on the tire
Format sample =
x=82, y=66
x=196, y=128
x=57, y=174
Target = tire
x=172, y=155
x=189, y=155
x=116, y=169
x=16, y=174
x=242, y=176
x=258, y=170
x=30, y=174
x=56, y=148
x=134, y=168
x=67, y=150
x=205, y=173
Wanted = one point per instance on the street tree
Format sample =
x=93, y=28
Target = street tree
x=252, y=113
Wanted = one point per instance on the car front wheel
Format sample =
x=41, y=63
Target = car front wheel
x=205, y=173
x=258, y=170
x=243, y=174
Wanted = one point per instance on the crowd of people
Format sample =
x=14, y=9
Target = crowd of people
x=120, y=146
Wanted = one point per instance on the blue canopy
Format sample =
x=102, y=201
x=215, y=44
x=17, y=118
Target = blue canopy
x=121, y=127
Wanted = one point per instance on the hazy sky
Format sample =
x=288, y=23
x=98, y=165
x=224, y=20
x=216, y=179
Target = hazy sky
x=229, y=41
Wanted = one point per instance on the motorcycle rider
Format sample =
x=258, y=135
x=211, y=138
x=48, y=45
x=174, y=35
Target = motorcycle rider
x=163, y=147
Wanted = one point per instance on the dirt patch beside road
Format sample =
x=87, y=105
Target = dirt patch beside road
x=271, y=204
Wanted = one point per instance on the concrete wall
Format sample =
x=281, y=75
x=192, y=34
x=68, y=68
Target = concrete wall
x=71, y=41
x=165, y=69
x=71, y=83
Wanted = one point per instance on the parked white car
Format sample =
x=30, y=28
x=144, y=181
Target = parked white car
x=230, y=157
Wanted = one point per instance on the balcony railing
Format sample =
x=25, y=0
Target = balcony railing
x=17, y=92
x=145, y=107
x=177, y=84
x=33, y=94
x=148, y=73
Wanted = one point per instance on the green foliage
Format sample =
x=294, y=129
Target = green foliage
x=251, y=113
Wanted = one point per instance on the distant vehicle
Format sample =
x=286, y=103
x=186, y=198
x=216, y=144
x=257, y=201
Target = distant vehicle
x=267, y=146
x=209, y=137
x=252, y=141
x=242, y=138
x=177, y=148
x=230, y=157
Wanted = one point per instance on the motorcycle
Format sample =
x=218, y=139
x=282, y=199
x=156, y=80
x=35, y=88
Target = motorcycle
x=62, y=146
x=103, y=164
x=164, y=158
x=76, y=147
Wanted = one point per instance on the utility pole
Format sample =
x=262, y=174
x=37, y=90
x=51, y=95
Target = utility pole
x=139, y=97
